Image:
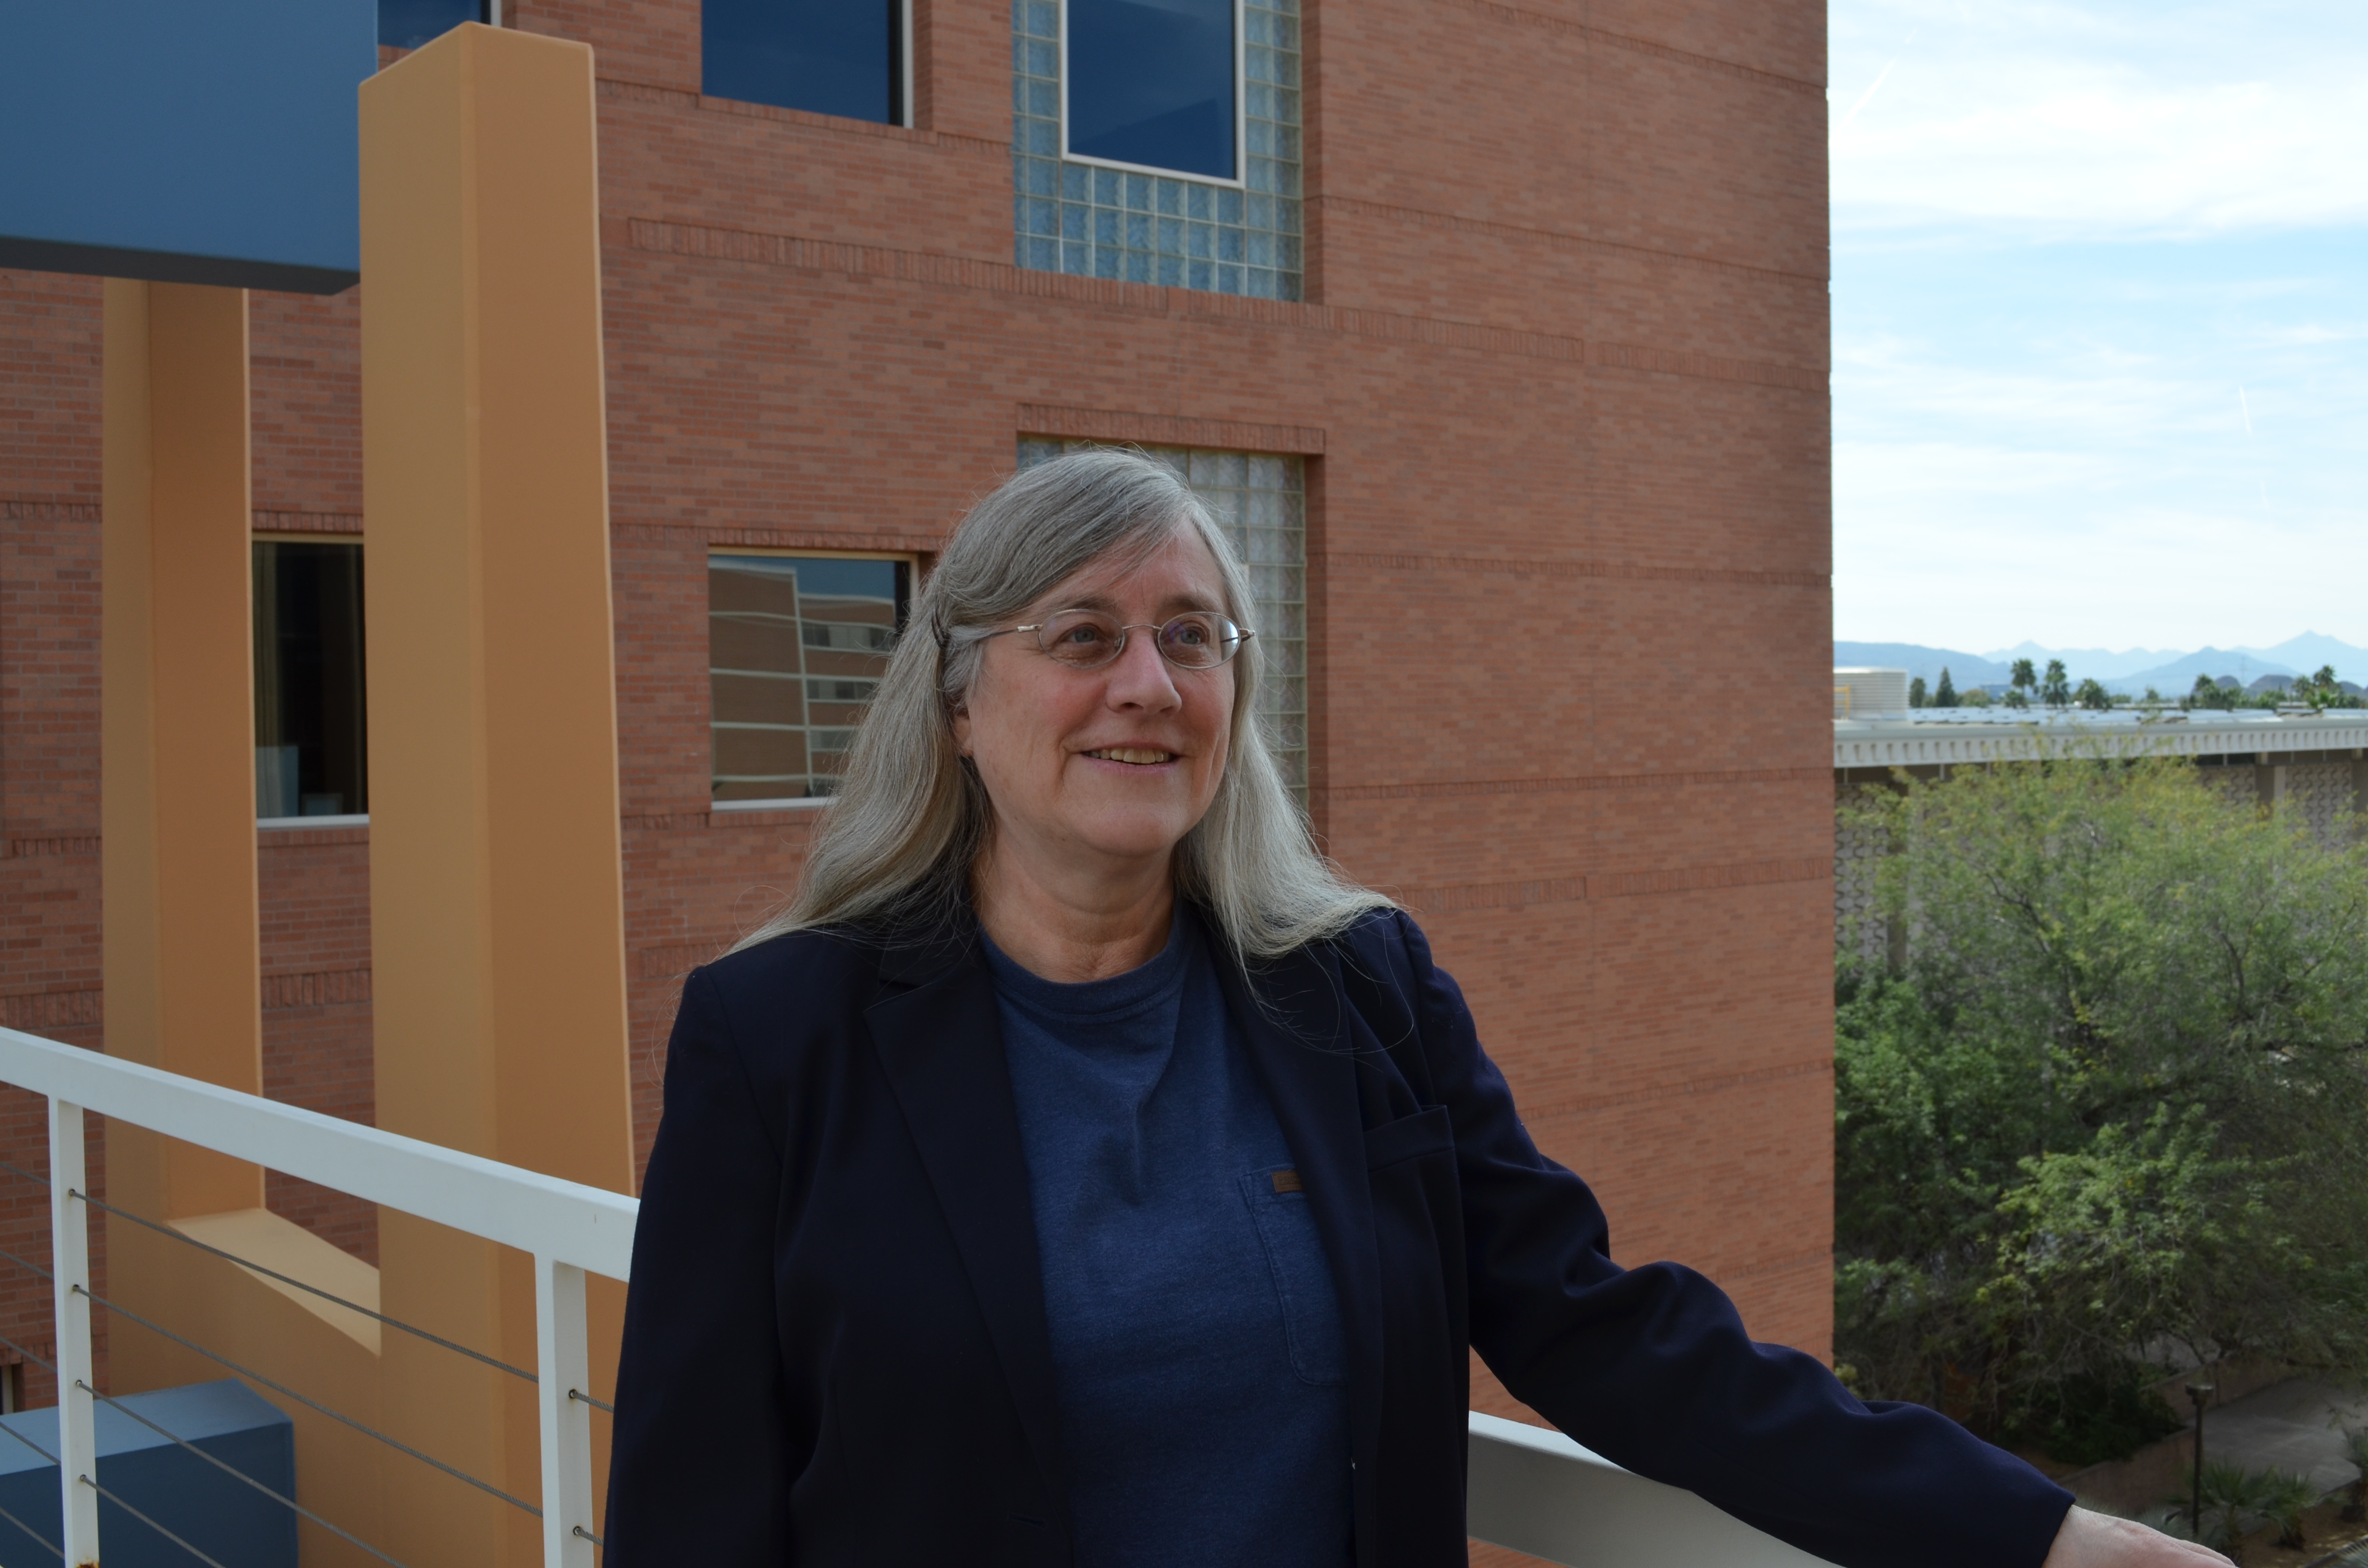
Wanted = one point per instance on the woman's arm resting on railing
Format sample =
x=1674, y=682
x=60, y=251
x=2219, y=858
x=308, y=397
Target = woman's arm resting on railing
x=1652, y=1367
x=2101, y=1540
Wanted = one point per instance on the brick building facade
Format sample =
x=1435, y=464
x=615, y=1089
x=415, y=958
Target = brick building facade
x=1556, y=377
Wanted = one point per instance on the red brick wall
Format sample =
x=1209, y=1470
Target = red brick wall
x=1564, y=360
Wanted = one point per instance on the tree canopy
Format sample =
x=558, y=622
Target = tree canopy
x=2108, y=1103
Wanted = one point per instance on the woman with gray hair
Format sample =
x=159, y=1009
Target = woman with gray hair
x=1081, y=1171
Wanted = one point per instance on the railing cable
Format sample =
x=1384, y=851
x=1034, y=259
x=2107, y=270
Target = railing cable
x=160, y=1529
x=37, y=1535
x=326, y=1296
x=45, y=1453
x=595, y=1403
x=21, y=1171
x=27, y=1263
x=187, y=1240
x=233, y=1470
x=397, y=1443
x=27, y=1352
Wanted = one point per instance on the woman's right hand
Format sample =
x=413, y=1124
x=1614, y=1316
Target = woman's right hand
x=2087, y=1539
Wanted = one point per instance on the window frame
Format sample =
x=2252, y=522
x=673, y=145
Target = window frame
x=309, y=536
x=913, y=562
x=1240, y=180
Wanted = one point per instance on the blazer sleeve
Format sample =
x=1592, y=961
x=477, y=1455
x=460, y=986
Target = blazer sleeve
x=702, y=1456
x=1652, y=1368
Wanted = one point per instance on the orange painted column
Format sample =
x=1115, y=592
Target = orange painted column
x=497, y=889
x=176, y=770
x=182, y=960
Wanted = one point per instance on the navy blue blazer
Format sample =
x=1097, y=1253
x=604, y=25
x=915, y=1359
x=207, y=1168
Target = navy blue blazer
x=835, y=1346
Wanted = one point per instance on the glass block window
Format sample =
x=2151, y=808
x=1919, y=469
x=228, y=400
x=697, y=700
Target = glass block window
x=1261, y=500
x=842, y=57
x=1094, y=219
x=796, y=647
x=312, y=729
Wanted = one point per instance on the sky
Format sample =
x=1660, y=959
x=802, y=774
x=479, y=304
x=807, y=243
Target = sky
x=2100, y=321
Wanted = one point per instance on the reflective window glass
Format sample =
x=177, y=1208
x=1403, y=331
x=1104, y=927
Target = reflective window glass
x=407, y=24
x=1151, y=82
x=840, y=57
x=310, y=734
x=796, y=647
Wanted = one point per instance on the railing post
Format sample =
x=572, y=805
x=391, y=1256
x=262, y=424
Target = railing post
x=70, y=1257
x=563, y=1370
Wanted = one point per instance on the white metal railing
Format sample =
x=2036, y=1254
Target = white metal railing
x=571, y=1229
x=1538, y=1491
x=1530, y=1489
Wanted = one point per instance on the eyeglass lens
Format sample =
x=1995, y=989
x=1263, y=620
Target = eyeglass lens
x=1088, y=639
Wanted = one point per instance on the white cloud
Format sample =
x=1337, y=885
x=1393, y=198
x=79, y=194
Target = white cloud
x=2065, y=235
x=2101, y=119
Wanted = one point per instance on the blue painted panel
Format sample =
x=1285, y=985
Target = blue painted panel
x=407, y=24
x=212, y=143
x=218, y=1514
x=826, y=56
x=1151, y=82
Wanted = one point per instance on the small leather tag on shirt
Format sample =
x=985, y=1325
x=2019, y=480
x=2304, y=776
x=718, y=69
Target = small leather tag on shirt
x=1288, y=1181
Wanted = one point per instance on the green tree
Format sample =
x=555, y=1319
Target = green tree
x=2210, y=693
x=1975, y=696
x=1916, y=692
x=2093, y=696
x=1946, y=696
x=2056, y=691
x=2107, y=1102
x=2016, y=697
x=2024, y=679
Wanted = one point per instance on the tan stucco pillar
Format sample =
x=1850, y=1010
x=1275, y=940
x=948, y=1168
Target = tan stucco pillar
x=176, y=727
x=177, y=813
x=496, y=894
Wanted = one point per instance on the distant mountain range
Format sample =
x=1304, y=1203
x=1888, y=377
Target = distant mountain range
x=2131, y=670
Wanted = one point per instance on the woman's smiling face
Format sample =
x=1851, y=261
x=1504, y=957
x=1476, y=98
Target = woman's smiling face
x=1096, y=770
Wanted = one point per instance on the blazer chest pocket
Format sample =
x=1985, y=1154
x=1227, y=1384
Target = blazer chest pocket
x=1408, y=1138
x=1303, y=1279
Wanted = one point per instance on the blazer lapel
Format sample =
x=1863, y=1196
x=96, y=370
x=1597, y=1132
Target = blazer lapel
x=1295, y=1020
x=942, y=1046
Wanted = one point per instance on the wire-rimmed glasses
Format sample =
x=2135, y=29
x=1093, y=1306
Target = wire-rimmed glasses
x=1088, y=639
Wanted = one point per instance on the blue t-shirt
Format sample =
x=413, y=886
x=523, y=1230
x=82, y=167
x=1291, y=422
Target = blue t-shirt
x=1196, y=1334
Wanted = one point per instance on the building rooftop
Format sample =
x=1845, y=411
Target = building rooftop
x=1930, y=736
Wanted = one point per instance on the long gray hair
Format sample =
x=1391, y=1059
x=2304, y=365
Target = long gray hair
x=895, y=847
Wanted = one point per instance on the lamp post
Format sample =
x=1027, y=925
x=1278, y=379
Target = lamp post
x=2197, y=1393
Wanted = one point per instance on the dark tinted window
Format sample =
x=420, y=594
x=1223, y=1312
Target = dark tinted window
x=1151, y=82
x=407, y=24
x=311, y=751
x=795, y=647
x=838, y=57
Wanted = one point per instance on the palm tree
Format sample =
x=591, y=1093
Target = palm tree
x=2055, y=689
x=2234, y=1504
x=2285, y=1498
